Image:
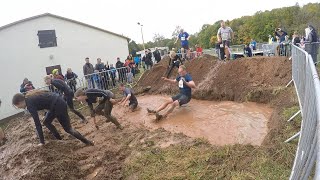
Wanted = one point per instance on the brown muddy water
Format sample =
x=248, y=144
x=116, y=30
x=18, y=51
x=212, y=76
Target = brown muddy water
x=221, y=123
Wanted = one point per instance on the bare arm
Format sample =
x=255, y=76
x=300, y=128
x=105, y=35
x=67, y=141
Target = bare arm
x=219, y=36
x=126, y=99
x=169, y=80
x=176, y=39
x=122, y=100
x=190, y=84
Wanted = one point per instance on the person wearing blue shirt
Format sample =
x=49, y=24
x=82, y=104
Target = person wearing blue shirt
x=185, y=84
x=137, y=60
x=253, y=44
x=184, y=39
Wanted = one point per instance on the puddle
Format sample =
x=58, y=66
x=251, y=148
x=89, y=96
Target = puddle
x=222, y=123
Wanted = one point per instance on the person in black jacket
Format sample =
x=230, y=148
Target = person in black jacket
x=121, y=70
x=296, y=39
x=174, y=61
x=63, y=88
x=71, y=77
x=148, y=59
x=106, y=104
x=247, y=50
x=39, y=100
x=157, y=55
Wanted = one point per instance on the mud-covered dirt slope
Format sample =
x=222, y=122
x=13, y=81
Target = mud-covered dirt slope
x=125, y=154
x=21, y=158
x=217, y=80
x=198, y=68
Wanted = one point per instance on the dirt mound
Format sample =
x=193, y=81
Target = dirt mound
x=198, y=68
x=240, y=80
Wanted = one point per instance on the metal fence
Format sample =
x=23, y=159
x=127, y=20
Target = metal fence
x=306, y=82
x=269, y=49
x=110, y=79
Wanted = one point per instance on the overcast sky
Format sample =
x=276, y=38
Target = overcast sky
x=121, y=16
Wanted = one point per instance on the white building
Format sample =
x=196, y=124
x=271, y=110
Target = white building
x=29, y=46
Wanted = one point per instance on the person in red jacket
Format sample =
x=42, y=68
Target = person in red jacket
x=199, y=50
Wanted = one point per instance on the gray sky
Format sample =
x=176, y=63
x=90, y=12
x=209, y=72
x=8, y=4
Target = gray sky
x=121, y=16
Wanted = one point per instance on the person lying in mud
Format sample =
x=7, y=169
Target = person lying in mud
x=106, y=104
x=128, y=95
x=62, y=87
x=37, y=100
x=185, y=84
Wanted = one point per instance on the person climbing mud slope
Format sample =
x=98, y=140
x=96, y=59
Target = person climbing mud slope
x=37, y=100
x=68, y=94
x=105, y=105
x=128, y=95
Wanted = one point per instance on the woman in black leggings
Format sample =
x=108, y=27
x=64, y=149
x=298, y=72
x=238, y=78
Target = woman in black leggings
x=39, y=100
x=62, y=87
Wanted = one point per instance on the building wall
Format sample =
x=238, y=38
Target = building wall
x=21, y=56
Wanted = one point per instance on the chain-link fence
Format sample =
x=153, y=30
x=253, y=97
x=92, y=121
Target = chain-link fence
x=306, y=82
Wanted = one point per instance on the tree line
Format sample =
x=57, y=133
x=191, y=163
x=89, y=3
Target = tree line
x=258, y=27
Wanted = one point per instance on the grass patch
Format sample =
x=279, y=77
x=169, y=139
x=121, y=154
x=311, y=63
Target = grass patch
x=200, y=160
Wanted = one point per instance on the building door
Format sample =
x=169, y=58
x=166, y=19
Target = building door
x=51, y=68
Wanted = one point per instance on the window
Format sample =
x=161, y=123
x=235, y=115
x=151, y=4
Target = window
x=51, y=68
x=47, y=38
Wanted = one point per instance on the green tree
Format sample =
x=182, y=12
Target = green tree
x=134, y=47
x=258, y=26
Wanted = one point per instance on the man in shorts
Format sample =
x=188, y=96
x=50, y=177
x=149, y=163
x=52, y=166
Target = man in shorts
x=185, y=84
x=184, y=39
x=225, y=35
x=128, y=95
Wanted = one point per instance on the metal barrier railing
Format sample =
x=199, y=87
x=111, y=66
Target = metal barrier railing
x=109, y=79
x=306, y=82
x=269, y=49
